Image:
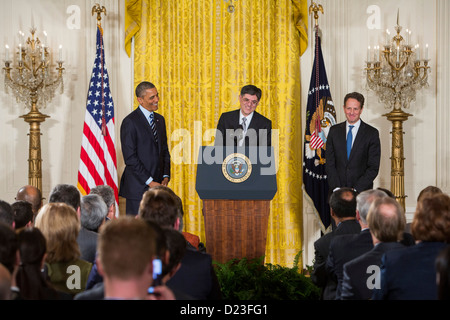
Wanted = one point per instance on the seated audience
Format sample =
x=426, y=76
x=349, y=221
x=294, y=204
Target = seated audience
x=344, y=248
x=386, y=223
x=66, y=193
x=23, y=214
x=343, y=212
x=60, y=225
x=409, y=273
x=30, y=280
x=32, y=195
x=126, y=249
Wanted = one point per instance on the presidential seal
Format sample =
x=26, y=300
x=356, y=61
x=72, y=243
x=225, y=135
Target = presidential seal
x=236, y=167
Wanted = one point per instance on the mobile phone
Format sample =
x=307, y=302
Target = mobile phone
x=157, y=274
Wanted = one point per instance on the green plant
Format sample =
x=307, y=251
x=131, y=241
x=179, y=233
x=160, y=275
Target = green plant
x=252, y=280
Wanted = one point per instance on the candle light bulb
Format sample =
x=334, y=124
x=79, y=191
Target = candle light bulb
x=426, y=51
x=6, y=53
x=60, y=52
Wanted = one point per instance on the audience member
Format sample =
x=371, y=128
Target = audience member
x=30, y=280
x=6, y=213
x=443, y=274
x=60, y=225
x=5, y=283
x=126, y=249
x=196, y=276
x=343, y=212
x=107, y=194
x=93, y=212
x=23, y=214
x=33, y=195
x=9, y=256
x=386, y=222
x=344, y=248
x=191, y=238
x=66, y=193
x=409, y=273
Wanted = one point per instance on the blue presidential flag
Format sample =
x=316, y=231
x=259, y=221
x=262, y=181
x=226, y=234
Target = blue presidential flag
x=320, y=116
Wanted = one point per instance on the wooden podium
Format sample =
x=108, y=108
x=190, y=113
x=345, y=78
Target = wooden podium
x=236, y=209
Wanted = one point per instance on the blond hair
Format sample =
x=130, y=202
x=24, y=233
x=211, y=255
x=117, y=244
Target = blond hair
x=59, y=224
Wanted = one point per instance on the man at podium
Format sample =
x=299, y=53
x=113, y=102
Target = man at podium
x=245, y=126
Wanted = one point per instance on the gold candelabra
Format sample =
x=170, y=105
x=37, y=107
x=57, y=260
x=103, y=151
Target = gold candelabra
x=32, y=83
x=395, y=73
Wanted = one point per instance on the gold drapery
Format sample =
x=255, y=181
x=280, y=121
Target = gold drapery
x=199, y=56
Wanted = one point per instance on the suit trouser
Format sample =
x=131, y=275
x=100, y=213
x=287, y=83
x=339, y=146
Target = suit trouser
x=132, y=206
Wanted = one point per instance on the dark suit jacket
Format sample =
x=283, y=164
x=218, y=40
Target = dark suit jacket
x=321, y=249
x=354, y=283
x=87, y=241
x=254, y=137
x=196, y=277
x=343, y=249
x=409, y=273
x=144, y=158
x=362, y=167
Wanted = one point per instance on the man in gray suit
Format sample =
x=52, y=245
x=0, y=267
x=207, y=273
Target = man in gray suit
x=353, y=149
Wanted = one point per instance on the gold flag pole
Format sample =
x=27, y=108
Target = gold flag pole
x=315, y=8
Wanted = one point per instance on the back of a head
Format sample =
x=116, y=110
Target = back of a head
x=93, y=211
x=158, y=205
x=6, y=213
x=23, y=213
x=386, y=219
x=125, y=247
x=431, y=220
x=343, y=202
x=59, y=224
x=427, y=192
x=106, y=192
x=31, y=194
x=8, y=246
x=66, y=193
x=32, y=248
x=176, y=244
x=365, y=199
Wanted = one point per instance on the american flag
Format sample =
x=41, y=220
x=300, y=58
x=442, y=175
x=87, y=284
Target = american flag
x=98, y=162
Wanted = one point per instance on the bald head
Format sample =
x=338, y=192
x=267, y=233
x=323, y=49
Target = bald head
x=32, y=195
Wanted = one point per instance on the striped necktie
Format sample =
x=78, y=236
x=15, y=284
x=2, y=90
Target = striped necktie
x=153, y=126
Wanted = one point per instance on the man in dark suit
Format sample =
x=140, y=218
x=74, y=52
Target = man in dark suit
x=144, y=148
x=357, y=166
x=244, y=126
x=343, y=211
x=387, y=222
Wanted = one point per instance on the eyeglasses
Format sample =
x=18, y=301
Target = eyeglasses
x=252, y=102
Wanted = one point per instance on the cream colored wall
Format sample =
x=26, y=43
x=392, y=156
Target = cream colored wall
x=344, y=43
x=345, y=38
x=71, y=24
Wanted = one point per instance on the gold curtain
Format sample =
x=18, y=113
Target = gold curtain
x=199, y=56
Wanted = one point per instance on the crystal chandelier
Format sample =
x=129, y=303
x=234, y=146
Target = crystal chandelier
x=32, y=82
x=396, y=72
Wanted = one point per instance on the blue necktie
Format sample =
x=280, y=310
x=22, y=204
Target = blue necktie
x=153, y=126
x=349, y=140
